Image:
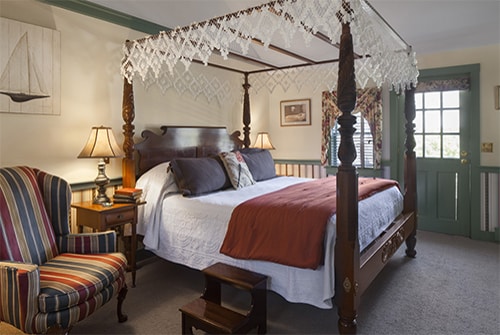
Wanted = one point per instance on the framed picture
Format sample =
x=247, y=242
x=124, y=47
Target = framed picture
x=295, y=112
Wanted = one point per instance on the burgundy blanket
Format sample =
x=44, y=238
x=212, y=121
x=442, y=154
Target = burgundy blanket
x=288, y=226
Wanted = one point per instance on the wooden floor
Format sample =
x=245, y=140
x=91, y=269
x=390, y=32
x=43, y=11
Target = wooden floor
x=6, y=329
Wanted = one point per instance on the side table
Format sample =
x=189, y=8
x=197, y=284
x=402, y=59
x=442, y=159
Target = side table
x=101, y=218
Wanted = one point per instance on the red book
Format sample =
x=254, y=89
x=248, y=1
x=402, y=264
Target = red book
x=129, y=191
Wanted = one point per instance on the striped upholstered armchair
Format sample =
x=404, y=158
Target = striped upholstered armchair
x=49, y=278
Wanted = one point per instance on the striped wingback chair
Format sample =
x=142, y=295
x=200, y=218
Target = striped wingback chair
x=51, y=279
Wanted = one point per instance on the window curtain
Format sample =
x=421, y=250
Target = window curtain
x=368, y=103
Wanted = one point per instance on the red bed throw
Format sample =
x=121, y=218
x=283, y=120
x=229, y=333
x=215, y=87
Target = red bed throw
x=288, y=226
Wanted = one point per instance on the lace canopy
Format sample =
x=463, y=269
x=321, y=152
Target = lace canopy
x=383, y=57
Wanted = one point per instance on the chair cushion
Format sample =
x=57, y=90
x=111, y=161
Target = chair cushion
x=26, y=234
x=71, y=279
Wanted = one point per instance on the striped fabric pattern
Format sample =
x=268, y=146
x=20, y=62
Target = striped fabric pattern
x=56, y=194
x=26, y=233
x=93, y=243
x=40, y=285
x=71, y=316
x=19, y=290
x=69, y=280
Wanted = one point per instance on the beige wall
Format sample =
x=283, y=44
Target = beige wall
x=91, y=90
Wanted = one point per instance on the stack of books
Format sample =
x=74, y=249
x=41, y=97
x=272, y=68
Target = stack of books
x=127, y=195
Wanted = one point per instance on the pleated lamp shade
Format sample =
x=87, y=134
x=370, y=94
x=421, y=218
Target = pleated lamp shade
x=263, y=141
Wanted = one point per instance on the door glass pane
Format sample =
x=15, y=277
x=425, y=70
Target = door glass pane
x=451, y=99
x=418, y=100
x=432, y=121
x=437, y=124
x=451, y=121
x=432, y=99
x=433, y=146
x=419, y=126
x=451, y=146
x=419, y=147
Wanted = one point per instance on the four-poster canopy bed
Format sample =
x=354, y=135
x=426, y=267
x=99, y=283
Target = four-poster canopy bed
x=381, y=56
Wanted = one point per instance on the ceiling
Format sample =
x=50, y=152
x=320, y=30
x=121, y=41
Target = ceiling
x=429, y=26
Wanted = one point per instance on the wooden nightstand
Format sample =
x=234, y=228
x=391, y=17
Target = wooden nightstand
x=101, y=218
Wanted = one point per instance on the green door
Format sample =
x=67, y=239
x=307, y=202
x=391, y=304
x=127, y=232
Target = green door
x=447, y=136
x=443, y=165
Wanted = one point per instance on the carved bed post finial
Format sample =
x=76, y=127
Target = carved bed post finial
x=246, y=113
x=410, y=169
x=347, y=244
x=128, y=115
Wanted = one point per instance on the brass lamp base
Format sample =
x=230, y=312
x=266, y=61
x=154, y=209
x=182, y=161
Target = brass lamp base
x=101, y=181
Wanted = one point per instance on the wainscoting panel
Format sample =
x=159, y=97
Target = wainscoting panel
x=304, y=169
x=490, y=201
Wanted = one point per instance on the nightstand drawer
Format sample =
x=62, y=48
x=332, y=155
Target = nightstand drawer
x=120, y=217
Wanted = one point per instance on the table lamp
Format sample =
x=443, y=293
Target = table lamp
x=263, y=141
x=101, y=144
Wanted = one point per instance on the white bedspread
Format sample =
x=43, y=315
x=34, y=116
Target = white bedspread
x=190, y=231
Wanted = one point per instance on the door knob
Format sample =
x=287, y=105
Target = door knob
x=463, y=153
x=464, y=161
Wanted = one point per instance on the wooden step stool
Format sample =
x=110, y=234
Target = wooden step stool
x=207, y=314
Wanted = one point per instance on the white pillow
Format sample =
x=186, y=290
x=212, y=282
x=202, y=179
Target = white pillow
x=157, y=179
x=156, y=183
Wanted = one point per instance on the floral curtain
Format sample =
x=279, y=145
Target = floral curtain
x=444, y=85
x=369, y=104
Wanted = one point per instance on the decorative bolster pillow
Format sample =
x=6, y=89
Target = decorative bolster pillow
x=195, y=176
x=260, y=163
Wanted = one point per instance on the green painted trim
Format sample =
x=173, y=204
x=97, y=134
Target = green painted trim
x=332, y=170
x=90, y=184
x=106, y=14
x=489, y=169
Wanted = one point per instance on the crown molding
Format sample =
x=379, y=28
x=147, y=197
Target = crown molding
x=106, y=14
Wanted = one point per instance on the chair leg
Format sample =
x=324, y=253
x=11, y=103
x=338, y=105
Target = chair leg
x=121, y=297
x=57, y=330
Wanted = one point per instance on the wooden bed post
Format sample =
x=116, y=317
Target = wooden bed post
x=128, y=115
x=410, y=169
x=347, y=244
x=246, y=113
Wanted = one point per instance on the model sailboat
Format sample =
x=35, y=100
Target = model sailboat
x=21, y=79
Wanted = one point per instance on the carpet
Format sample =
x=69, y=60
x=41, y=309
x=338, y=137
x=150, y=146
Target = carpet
x=452, y=287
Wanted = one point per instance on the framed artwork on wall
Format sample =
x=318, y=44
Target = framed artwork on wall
x=30, y=61
x=295, y=112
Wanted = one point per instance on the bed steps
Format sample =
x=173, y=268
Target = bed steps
x=207, y=313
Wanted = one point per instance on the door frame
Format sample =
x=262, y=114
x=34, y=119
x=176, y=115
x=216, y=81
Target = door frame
x=397, y=137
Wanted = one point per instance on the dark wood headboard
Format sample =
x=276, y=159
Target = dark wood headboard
x=183, y=141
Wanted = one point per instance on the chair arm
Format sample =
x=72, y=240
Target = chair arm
x=91, y=243
x=19, y=291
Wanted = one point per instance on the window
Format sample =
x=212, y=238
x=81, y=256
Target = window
x=367, y=138
x=363, y=140
x=437, y=124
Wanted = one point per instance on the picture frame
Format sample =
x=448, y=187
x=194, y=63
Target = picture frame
x=497, y=97
x=295, y=112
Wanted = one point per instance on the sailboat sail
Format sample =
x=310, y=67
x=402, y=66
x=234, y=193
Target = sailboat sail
x=21, y=79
